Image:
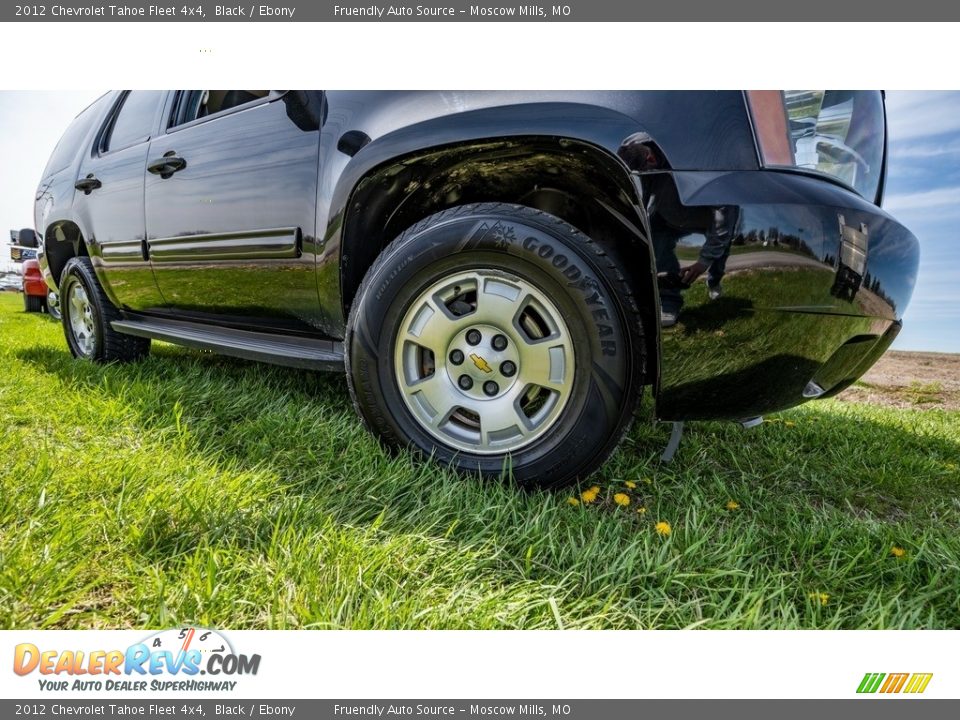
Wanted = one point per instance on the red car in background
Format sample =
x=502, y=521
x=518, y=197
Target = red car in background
x=34, y=288
x=37, y=297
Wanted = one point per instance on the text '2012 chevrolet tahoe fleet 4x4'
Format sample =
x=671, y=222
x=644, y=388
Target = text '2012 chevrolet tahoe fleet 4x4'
x=500, y=273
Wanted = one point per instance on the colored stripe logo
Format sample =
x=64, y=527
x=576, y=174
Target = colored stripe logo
x=887, y=683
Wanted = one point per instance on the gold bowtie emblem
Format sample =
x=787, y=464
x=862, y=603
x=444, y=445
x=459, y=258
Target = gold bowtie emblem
x=481, y=364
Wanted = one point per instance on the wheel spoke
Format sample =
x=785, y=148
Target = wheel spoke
x=431, y=328
x=498, y=301
x=547, y=363
x=435, y=395
x=501, y=420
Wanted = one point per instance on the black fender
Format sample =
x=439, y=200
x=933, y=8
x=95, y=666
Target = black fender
x=566, y=132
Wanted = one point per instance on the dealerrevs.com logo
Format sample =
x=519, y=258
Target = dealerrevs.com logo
x=168, y=660
x=889, y=683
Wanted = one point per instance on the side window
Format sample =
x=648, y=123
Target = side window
x=134, y=122
x=196, y=104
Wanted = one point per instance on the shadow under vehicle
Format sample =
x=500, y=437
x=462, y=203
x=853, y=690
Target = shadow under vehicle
x=500, y=274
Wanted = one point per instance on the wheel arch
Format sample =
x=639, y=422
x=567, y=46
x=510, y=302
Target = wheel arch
x=576, y=180
x=62, y=240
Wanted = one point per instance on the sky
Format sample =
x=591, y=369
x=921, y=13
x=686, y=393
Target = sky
x=923, y=193
x=923, y=190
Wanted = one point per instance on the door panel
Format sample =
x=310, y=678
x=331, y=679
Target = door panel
x=227, y=230
x=113, y=211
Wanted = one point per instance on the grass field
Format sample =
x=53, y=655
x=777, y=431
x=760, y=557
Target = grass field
x=196, y=489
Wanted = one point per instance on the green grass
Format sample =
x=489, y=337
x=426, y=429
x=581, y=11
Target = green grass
x=191, y=488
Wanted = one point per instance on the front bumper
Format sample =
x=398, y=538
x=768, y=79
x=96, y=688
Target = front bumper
x=814, y=282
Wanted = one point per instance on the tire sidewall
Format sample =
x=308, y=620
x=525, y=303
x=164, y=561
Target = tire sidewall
x=524, y=244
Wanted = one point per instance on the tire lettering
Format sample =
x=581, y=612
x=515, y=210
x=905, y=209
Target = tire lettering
x=578, y=281
x=594, y=299
x=393, y=273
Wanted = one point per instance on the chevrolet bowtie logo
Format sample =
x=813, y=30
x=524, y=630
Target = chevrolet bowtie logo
x=481, y=364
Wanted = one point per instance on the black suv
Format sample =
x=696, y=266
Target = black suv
x=500, y=273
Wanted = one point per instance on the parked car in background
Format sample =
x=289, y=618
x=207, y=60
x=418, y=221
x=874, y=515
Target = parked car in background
x=10, y=281
x=37, y=297
x=499, y=274
x=34, y=288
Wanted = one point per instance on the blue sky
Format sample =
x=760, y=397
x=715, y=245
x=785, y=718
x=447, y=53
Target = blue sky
x=923, y=190
x=923, y=193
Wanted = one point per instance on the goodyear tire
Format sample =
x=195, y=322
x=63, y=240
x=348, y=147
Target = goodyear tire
x=499, y=340
x=87, y=312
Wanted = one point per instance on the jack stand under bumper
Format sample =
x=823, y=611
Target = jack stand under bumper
x=674, y=443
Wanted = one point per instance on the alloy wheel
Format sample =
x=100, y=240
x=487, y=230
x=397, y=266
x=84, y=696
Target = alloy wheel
x=484, y=361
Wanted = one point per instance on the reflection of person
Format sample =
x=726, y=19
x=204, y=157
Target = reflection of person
x=673, y=279
x=667, y=226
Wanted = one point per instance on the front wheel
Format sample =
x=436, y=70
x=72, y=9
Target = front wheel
x=499, y=340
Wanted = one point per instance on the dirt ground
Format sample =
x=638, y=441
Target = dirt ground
x=910, y=380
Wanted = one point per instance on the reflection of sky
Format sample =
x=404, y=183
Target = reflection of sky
x=923, y=192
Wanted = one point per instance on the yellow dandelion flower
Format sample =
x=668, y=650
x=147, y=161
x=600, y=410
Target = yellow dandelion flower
x=589, y=495
x=822, y=598
x=573, y=501
x=663, y=528
x=621, y=499
x=630, y=484
x=733, y=505
x=897, y=551
x=641, y=511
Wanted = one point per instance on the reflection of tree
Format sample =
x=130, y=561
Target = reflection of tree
x=773, y=238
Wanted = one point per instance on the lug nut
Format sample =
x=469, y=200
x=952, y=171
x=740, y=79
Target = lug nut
x=491, y=388
x=465, y=382
x=456, y=357
x=474, y=337
x=508, y=368
x=499, y=342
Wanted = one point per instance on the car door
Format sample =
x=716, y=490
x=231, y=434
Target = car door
x=231, y=195
x=109, y=198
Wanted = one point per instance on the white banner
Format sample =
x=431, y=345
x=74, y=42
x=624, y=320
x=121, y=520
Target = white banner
x=461, y=664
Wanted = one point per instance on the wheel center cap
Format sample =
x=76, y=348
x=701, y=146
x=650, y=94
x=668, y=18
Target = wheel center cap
x=483, y=361
x=481, y=364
